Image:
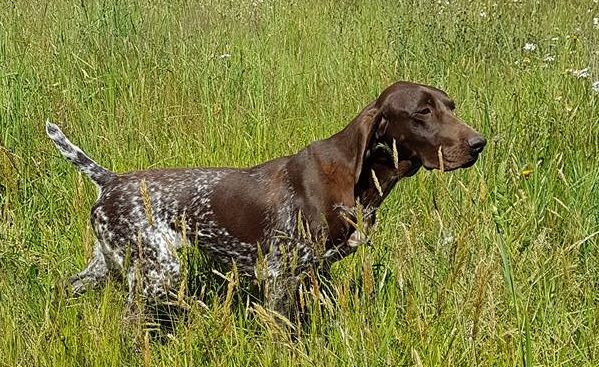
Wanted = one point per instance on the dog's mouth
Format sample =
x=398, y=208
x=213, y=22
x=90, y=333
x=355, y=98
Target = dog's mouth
x=452, y=165
x=470, y=162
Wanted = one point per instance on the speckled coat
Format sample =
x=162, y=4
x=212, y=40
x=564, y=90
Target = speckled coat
x=295, y=212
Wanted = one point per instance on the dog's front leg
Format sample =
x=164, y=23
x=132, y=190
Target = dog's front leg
x=281, y=281
x=280, y=295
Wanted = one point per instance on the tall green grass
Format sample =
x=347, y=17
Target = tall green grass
x=494, y=265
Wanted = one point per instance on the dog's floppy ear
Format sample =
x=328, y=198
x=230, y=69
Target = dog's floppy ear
x=381, y=128
x=372, y=126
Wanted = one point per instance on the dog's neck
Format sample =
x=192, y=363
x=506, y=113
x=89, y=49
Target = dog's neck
x=378, y=170
x=380, y=173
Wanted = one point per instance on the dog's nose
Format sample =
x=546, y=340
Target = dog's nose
x=477, y=143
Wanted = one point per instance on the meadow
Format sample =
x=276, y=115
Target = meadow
x=497, y=265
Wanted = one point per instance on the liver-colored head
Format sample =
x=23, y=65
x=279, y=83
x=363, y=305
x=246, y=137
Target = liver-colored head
x=421, y=119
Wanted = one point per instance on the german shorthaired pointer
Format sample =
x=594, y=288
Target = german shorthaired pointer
x=276, y=220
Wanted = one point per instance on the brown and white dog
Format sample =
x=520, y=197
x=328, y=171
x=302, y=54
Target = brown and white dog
x=292, y=213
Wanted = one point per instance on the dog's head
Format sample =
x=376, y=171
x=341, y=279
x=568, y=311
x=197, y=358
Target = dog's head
x=421, y=121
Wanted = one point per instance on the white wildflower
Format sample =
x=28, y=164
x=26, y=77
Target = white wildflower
x=447, y=239
x=483, y=14
x=225, y=56
x=549, y=58
x=529, y=47
x=580, y=74
x=595, y=86
x=596, y=23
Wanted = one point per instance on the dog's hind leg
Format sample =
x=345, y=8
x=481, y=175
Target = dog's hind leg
x=94, y=274
x=154, y=275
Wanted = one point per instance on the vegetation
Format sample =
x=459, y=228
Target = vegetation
x=494, y=265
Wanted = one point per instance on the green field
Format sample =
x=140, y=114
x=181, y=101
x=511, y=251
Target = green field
x=494, y=265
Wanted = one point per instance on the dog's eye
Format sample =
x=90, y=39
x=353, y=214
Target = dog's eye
x=424, y=111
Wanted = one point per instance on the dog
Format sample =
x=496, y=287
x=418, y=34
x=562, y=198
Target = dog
x=278, y=219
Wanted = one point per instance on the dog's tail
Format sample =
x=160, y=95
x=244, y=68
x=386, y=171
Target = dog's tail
x=100, y=175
